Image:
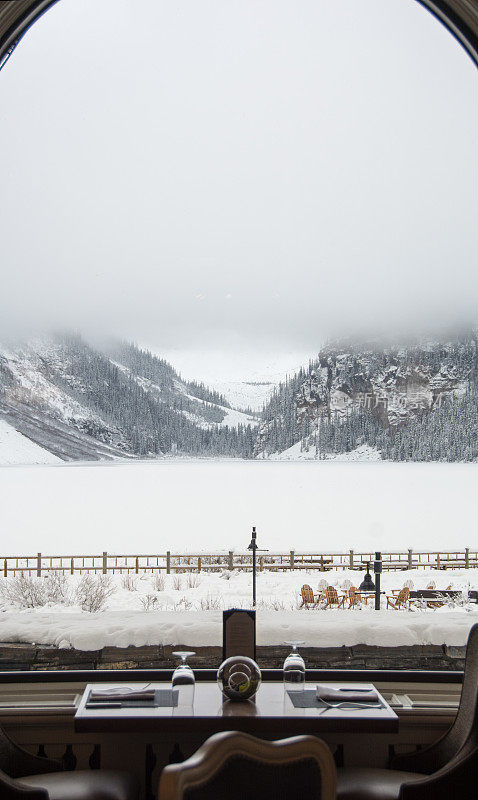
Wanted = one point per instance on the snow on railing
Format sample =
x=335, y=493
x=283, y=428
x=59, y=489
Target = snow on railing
x=169, y=562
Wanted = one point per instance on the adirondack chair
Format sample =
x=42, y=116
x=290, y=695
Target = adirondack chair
x=402, y=600
x=332, y=599
x=354, y=597
x=308, y=598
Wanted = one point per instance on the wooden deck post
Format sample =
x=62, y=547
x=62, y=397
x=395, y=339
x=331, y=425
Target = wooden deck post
x=72, y=565
x=199, y=563
x=168, y=562
x=410, y=558
x=438, y=560
x=105, y=562
x=351, y=559
x=321, y=563
x=38, y=565
x=5, y=568
x=292, y=555
x=467, y=557
x=136, y=565
x=230, y=560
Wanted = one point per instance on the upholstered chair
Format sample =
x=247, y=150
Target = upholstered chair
x=27, y=777
x=436, y=771
x=237, y=766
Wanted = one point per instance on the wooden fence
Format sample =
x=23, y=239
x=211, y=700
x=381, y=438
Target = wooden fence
x=213, y=562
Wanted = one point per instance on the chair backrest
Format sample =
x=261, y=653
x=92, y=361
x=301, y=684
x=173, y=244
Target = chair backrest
x=240, y=767
x=403, y=595
x=307, y=594
x=322, y=584
x=331, y=594
x=463, y=734
x=16, y=762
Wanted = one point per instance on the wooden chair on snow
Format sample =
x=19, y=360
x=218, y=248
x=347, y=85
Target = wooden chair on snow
x=355, y=598
x=332, y=599
x=308, y=598
x=402, y=599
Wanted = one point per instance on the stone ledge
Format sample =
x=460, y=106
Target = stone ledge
x=18, y=656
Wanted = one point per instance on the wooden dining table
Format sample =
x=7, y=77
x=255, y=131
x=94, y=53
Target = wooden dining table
x=271, y=712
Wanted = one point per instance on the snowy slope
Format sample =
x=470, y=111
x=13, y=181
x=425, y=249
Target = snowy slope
x=17, y=449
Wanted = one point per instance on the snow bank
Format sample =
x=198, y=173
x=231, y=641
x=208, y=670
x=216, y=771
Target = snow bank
x=296, y=453
x=204, y=628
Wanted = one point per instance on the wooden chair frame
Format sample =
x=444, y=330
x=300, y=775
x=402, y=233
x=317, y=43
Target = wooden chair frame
x=401, y=600
x=203, y=765
x=308, y=596
x=332, y=598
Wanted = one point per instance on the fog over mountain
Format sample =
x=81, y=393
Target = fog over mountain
x=245, y=176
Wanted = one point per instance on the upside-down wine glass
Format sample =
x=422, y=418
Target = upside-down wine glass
x=294, y=669
x=183, y=679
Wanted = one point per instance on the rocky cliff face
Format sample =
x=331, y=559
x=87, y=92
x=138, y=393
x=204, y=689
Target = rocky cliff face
x=392, y=385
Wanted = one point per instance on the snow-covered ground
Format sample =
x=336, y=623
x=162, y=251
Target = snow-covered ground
x=191, y=506
x=297, y=453
x=187, y=610
x=18, y=449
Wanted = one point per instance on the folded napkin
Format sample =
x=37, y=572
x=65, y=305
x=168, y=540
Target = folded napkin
x=120, y=693
x=331, y=695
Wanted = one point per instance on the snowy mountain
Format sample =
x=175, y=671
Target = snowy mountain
x=411, y=402
x=77, y=401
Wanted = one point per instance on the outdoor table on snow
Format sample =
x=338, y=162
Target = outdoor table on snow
x=272, y=712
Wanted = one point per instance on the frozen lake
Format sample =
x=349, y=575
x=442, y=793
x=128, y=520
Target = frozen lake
x=150, y=507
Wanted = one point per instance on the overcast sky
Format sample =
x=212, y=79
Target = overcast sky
x=246, y=173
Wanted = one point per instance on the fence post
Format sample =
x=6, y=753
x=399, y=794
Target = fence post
x=38, y=565
x=199, y=563
x=321, y=563
x=230, y=560
x=410, y=558
x=5, y=568
x=168, y=562
x=467, y=557
x=351, y=559
x=105, y=562
x=72, y=565
x=438, y=560
x=292, y=554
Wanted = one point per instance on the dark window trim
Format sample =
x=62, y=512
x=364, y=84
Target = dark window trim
x=445, y=13
x=122, y=675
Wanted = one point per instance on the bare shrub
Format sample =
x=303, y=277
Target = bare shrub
x=177, y=583
x=276, y=605
x=93, y=592
x=158, y=582
x=57, y=588
x=24, y=591
x=184, y=604
x=129, y=582
x=210, y=603
x=149, y=602
x=192, y=580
